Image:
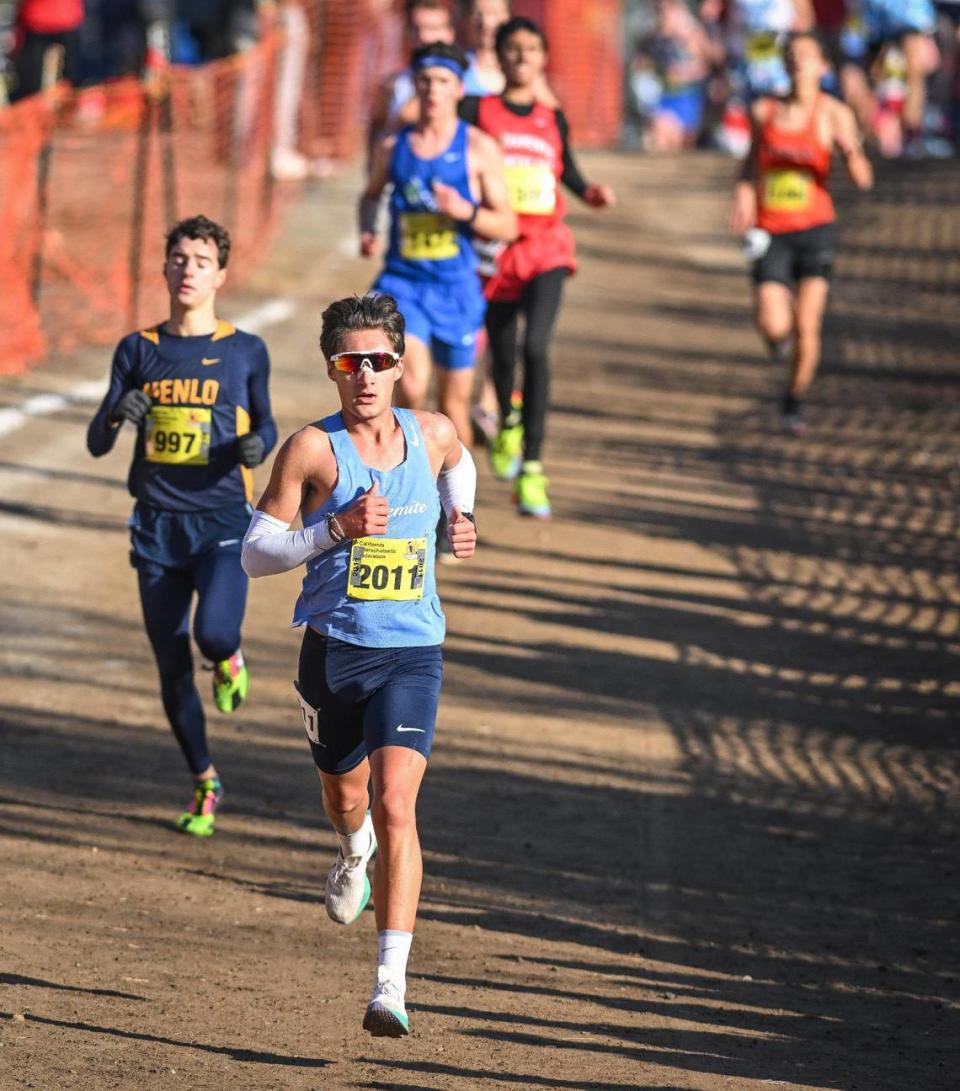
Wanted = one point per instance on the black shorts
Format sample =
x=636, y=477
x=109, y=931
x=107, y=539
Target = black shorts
x=797, y=255
x=355, y=700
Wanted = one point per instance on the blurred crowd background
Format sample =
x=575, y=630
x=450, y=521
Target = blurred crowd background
x=689, y=67
x=122, y=116
x=694, y=65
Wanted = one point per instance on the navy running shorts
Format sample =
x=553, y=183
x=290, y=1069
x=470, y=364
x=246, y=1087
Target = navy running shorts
x=797, y=255
x=179, y=539
x=355, y=700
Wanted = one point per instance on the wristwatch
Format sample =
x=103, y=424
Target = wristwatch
x=469, y=515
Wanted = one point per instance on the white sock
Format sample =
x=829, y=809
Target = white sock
x=356, y=844
x=393, y=949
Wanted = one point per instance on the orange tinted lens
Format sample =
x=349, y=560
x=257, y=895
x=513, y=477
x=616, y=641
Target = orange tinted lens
x=351, y=362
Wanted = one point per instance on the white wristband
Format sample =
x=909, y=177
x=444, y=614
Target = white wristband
x=458, y=485
x=269, y=547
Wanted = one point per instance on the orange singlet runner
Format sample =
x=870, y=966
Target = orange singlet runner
x=793, y=166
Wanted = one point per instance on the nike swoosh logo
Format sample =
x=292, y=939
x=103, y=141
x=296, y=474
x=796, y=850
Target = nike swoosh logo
x=207, y=362
x=400, y=727
x=228, y=541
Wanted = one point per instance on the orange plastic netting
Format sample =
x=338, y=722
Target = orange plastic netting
x=91, y=182
x=585, y=39
x=90, y=187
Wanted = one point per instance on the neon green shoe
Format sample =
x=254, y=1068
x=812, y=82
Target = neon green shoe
x=231, y=681
x=506, y=452
x=199, y=820
x=531, y=491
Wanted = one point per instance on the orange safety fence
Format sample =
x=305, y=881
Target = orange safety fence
x=586, y=64
x=90, y=182
x=353, y=47
x=24, y=156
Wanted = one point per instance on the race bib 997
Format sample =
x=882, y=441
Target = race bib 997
x=178, y=435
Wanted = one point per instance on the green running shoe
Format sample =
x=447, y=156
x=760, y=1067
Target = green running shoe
x=199, y=820
x=506, y=452
x=231, y=681
x=386, y=1016
x=531, y=491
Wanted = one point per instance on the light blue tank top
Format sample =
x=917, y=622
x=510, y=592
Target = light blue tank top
x=425, y=245
x=473, y=81
x=326, y=602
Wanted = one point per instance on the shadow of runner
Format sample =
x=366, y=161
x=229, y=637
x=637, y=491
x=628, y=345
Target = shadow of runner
x=235, y=1053
x=36, y=983
x=482, y=1075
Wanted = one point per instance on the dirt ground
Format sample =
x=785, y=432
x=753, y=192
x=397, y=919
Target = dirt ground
x=691, y=819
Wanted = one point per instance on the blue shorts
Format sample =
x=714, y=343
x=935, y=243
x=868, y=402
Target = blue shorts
x=685, y=105
x=444, y=316
x=355, y=700
x=177, y=539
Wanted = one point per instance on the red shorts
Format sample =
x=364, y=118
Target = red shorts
x=528, y=257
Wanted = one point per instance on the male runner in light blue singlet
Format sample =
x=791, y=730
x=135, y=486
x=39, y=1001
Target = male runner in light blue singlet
x=447, y=181
x=368, y=483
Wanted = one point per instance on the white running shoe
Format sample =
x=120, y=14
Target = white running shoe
x=348, y=889
x=386, y=1017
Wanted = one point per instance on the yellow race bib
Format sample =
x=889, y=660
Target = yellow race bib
x=178, y=435
x=532, y=188
x=387, y=568
x=762, y=45
x=427, y=236
x=786, y=190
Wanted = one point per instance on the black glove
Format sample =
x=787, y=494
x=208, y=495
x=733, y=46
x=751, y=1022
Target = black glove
x=132, y=407
x=249, y=450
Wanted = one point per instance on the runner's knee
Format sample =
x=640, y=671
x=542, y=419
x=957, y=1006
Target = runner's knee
x=343, y=795
x=773, y=325
x=395, y=808
x=215, y=641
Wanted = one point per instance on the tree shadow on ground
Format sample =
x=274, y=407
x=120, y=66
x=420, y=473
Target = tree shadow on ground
x=782, y=891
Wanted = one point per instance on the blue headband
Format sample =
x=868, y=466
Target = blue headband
x=432, y=61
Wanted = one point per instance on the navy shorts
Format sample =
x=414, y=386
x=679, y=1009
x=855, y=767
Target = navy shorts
x=797, y=255
x=355, y=700
x=179, y=539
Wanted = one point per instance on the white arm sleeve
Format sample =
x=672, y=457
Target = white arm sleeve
x=458, y=485
x=269, y=547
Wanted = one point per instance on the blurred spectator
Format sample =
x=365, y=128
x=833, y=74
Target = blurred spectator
x=757, y=31
x=116, y=34
x=946, y=81
x=426, y=21
x=670, y=77
x=484, y=76
x=206, y=30
x=43, y=25
x=908, y=24
x=286, y=162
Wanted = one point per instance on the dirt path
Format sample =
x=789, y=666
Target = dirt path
x=691, y=820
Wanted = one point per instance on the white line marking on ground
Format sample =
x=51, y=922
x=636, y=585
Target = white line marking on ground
x=270, y=313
